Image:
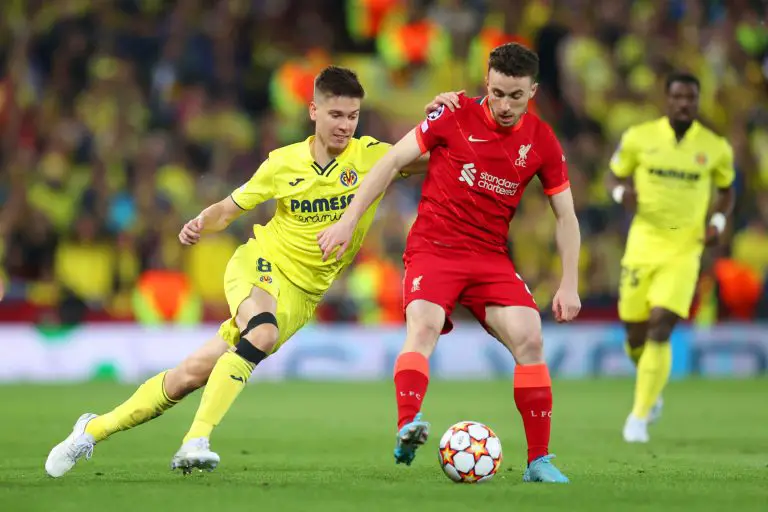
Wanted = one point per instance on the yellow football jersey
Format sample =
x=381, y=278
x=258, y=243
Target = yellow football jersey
x=674, y=182
x=309, y=199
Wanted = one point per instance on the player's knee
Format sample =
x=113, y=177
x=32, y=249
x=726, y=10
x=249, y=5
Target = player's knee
x=423, y=337
x=528, y=347
x=636, y=334
x=262, y=332
x=661, y=324
x=661, y=332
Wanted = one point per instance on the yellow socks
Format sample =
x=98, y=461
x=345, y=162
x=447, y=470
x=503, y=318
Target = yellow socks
x=634, y=353
x=148, y=402
x=228, y=378
x=652, y=375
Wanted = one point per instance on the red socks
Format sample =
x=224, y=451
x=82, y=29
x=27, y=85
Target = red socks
x=411, y=380
x=533, y=397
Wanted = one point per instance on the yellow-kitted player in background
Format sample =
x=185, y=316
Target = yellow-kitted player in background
x=272, y=283
x=664, y=171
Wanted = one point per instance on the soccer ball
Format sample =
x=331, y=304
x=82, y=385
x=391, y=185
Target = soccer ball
x=470, y=452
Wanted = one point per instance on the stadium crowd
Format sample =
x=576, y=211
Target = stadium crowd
x=121, y=120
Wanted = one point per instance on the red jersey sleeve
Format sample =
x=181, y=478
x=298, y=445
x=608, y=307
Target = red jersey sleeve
x=554, y=171
x=436, y=128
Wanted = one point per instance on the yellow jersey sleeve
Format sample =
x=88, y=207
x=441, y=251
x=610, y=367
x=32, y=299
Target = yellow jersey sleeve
x=372, y=151
x=260, y=188
x=723, y=173
x=625, y=158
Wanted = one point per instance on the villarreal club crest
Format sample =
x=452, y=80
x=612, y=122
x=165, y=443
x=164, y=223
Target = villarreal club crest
x=348, y=177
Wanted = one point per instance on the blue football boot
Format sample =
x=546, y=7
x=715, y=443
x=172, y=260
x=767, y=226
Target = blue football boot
x=542, y=470
x=409, y=438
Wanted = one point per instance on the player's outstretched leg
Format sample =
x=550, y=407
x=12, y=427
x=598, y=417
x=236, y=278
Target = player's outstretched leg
x=259, y=335
x=653, y=372
x=150, y=400
x=519, y=328
x=424, y=321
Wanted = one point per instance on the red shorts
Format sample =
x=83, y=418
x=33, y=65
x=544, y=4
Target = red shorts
x=474, y=281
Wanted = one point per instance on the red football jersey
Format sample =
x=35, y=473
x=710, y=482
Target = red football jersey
x=477, y=173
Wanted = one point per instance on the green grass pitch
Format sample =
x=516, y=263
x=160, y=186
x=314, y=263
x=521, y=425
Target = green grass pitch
x=328, y=446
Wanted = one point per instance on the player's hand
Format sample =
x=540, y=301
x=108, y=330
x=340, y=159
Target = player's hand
x=2, y=289
x=338, y=235
x=566, y=304
x=190, y=233
x=449, y=99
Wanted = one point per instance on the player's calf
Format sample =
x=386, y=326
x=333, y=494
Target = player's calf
x=193, y=373
x=653, y=372
x=424, y=321
x=227, y=380
x=411, y=381
x=519, y=329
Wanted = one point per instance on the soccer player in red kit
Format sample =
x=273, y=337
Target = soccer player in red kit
x=482, y=157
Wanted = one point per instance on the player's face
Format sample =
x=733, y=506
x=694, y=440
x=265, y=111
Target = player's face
x=508, y=96
x=683, y=102
x=335, y=120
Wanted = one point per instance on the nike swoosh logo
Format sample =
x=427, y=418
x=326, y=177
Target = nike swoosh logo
x=237, y=378
x=375, y=143
x=472, y=139
x=294, y=183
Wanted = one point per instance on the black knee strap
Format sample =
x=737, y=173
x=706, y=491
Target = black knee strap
x=247, y=351
x=261, y=318
x=245, y=348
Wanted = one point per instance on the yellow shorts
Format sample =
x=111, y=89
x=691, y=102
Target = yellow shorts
x=670, y=285
x=249, y=267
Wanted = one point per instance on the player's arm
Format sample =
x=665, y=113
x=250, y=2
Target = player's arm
x=372, y=186
x=378, y=179
x=568, y=236
x=219, y=216
x=725, y=197
x=418, y=166
x=554, y=178
x=452, y=101
x=213, y=219
x=622, y=167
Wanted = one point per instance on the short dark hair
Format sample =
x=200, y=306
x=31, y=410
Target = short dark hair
x=514, y=59
x=683, y=78
x=338, y=81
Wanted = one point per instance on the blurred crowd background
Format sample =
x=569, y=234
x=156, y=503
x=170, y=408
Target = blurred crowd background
x=122, y=119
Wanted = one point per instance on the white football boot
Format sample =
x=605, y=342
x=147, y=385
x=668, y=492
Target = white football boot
x=636, y=430
x=195, y=454
x=77, y=445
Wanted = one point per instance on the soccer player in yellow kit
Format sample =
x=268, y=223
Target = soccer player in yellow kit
x=664, y=171
x=272, y=283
